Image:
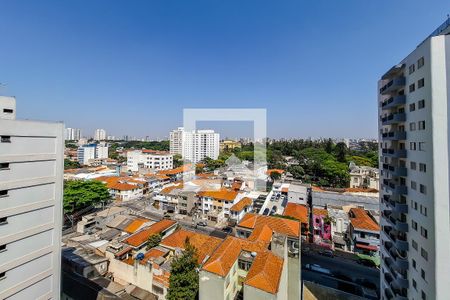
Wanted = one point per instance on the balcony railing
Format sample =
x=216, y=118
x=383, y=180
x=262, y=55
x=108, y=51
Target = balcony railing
x=393, y=119
x=393, y=102
x=393, y=85
x=396, y=153
x=394, y=135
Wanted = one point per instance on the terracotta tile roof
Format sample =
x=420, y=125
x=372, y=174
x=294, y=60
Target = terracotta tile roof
x=261, y=233
x=152, y=254
x=169, y=189
x=236, y=185
x=244, y=202
x=221, y=194
x=265, y=272
x=204, y=244
x=205, y=175
x=270, y=171
x=360, y=219
x=123, y=251
x=184, y=168
x=142, y=236
x=320, y=212
x=278, y=225
x=228, y=252
x=156, y=152
x=119, y=183
x=298, y=211
x=135, y=225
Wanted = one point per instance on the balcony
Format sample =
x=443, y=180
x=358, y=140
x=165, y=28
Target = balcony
x=393, y=119
x=393, y=102
x=393, y=85
x=395, y=171
x=401, y=281
x=394, y=135
x=401, y=226
x=400, y=262
x=395, y=188
x=396, y=153
x=399, y=208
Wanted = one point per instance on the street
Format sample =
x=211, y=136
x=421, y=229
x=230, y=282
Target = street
x=338, y=265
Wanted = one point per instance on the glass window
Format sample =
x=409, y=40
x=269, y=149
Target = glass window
x=421, y=104
x=424, y=253
x=421, y=83
x=423, y=189
x=424, y=232
x=412, y=68
x=420, y=62
x=412, y=107
x=412, y=88
x=412, y=165
x=422, y=167
x=412, y=126
x=421, y=125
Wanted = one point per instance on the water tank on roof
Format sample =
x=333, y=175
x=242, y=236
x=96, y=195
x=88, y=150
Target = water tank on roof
x=140, y=256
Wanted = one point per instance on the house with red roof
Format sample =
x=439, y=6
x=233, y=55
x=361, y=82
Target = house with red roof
x=364, y=232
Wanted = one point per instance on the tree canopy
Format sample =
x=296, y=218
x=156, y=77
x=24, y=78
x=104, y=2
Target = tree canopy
x=79, y=194
x=69, y=164
x=183, y=281
x=153, y=241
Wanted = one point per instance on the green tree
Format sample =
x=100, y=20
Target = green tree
x=68, y=164
x=177, y=161
x=153, y=241
x=79, y=194
x=297, y=171
x=183, y=281
x=275, y=175
x=329, y=146
x=341, y=152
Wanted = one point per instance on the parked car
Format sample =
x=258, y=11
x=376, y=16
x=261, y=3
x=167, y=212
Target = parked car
x=227, y=230
x=327, y=253
x=202, y=223
x=367, y=262
x=318, y=268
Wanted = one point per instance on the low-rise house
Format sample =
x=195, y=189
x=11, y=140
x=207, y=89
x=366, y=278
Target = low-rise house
x=364, y=231
x=300, y=213
x=98, y=219
x=322, y=227
x=83, y=262
x=139, y=239
x=239, y=209
x=339, y=226
x=263, y=263
x=185, y=172
x=216, y=204
x=125, y=188
x=298, y=193
x=364, y=177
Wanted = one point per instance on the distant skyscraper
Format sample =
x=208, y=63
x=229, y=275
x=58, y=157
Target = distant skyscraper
x=100, y=135
x=31, y=189
x=194, y=145
x=72, y=134
x=414, y=139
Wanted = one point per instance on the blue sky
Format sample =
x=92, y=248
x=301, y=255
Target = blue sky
x=132, y=66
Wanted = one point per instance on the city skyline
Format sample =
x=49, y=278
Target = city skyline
x=257, y=58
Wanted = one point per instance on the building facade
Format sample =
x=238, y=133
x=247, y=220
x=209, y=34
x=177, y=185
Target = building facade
x=100, y=135
x=88, y=154
x=31, y=188
x=72, y=134
x=194, y=146
x=414, y=167
x=149, y=159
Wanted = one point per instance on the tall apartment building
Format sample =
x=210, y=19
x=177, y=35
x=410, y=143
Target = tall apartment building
x=100, y=135
x=31, y=188
x=414, y=166
x=72, y=134
x=194, y=145
x=150, y=159
x=88, y=154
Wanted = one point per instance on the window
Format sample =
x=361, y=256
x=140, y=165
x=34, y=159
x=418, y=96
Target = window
x=420, y=62
x=422, y=273
x=4, y=166
x=412, y=126
x=423, y=189
x=412, y=146
x=423, y=210
x=414, y=204
x=424, y=253
x=421, y=104
x=420, y=83
x=412, y=68
x=414, y=244
x=412, y=88
x=422, y=146
x=424, y=232
x=6, y=139
x=413, y=185
x=412, y=165
x=414, y=224
x=414, y=284
x=421, y=125
x=414, y=263
x=3, y=193
x=8, y=111
x=422, y=167
x=412, y=107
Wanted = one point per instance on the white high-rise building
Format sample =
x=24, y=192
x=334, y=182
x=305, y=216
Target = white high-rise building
x=194, y=145
x=31, y=189
x=100, y=135
x=72, y=134
x=150, y=159
x=414, y=118
x=88, y=154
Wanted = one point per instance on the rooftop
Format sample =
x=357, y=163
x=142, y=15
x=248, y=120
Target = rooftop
x=221, y=194
x=243, y=203
x=298, y=211
x=278, y=225
x=360, y=219
x=142, y=236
